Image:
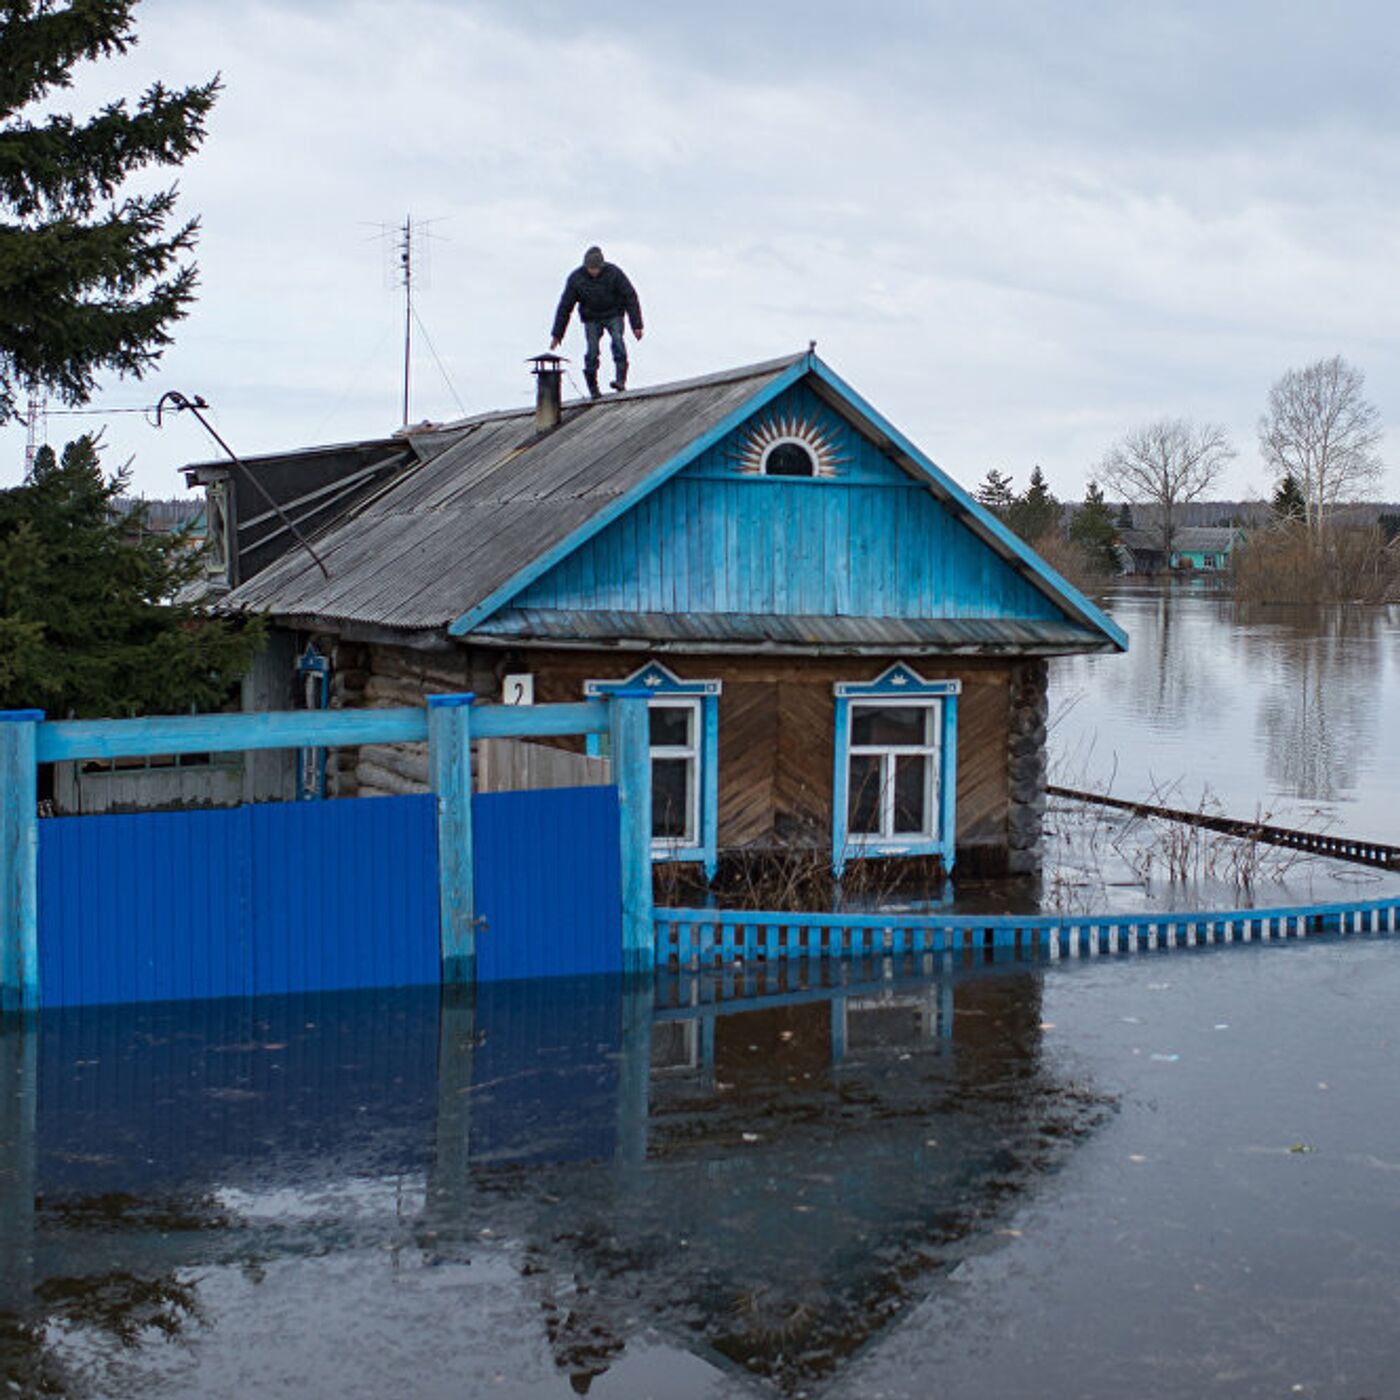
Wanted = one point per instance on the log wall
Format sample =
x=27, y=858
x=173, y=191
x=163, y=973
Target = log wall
x=777, y=722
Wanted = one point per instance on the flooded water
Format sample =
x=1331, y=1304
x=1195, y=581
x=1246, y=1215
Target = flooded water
x=1289, y=711
x=1162, y=1174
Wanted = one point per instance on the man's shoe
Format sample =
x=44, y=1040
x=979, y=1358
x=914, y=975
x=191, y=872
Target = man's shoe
x=594, y=392
x=620, y=383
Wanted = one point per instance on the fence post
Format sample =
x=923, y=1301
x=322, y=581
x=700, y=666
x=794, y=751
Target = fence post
x=631, y=759
x=19, y=859
x=450, y=769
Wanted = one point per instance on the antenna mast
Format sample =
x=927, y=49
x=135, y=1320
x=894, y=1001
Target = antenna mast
x=406, y=260
x=36, y=421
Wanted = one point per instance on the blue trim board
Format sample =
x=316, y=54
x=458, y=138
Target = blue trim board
x=541, y=564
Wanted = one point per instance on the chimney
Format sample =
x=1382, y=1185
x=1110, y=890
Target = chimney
x=549, y=378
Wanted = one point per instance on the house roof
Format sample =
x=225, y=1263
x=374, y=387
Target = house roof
x=1193, y=539
x=450, y=540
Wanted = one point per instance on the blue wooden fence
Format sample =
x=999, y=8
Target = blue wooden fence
x=300, y=889
x=696, y=939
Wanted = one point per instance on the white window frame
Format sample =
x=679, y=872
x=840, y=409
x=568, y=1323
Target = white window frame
x=901, y=687
x=691, y=841
x=931, y=752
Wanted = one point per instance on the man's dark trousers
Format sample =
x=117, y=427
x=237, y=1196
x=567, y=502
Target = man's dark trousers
x=593, y=335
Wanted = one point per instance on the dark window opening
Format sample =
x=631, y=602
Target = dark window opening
x=790, y=459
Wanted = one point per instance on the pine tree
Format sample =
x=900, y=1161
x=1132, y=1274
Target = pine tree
x=90, y=279
x=1288, y=502
x=87, y=625
x=1093, y=530
x=995, y=493
x=1036, y=512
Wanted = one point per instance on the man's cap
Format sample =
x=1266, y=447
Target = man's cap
x=593, y=257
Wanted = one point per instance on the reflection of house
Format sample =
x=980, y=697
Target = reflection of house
x=1203, y=548
x=847, y=653
x=772, y=1204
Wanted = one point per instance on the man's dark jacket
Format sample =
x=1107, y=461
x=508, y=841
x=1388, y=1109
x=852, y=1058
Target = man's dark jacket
x=598, y=298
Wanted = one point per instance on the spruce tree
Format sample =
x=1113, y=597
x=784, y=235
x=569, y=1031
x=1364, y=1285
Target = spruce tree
x=88, y=625
x=995, y=493
x=1036, y=512
x=1288, y=502
x=1093, y=530
x=90, y=279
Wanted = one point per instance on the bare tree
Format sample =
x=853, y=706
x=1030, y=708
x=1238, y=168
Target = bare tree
x=1166, y=464
x=1321, y=430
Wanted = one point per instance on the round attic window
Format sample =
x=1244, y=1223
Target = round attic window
x=789, y=459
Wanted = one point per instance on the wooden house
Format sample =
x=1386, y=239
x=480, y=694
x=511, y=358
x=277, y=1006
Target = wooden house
x=848, y=654
x=1195, y=549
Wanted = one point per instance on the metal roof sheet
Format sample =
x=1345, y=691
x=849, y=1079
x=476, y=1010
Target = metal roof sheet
x=461, y=524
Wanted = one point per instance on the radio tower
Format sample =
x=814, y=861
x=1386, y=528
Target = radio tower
x=36, y=420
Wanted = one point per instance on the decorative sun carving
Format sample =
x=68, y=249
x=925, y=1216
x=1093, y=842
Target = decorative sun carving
x=756, y=453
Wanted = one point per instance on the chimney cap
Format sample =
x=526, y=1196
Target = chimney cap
x=546, y=363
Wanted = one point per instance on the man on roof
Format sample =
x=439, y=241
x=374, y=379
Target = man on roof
x=603, y=296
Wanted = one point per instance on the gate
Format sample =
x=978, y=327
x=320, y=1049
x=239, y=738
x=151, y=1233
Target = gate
x=548, y=883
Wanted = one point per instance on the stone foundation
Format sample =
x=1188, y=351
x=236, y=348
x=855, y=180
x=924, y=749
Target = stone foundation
x=1027, y=766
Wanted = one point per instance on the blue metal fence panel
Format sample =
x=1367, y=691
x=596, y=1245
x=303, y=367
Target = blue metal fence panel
x=290, y=897
x=548, y=883
x=146, y=907
x=344, y=894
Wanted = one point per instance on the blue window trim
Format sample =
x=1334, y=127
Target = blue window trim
x=663, y=683
x=897, y=683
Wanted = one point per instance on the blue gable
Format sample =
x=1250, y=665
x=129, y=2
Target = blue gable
x=862, y=538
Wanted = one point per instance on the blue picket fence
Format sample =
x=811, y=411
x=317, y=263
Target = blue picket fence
x=698, y=939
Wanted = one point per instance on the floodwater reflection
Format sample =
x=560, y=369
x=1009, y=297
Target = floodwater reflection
x=1275, y=708
x=603, y=1179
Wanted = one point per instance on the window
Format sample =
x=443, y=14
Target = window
x=675, y=771
x=895, y=780
x=684, y=736
x=789, y=459
x=892, y=782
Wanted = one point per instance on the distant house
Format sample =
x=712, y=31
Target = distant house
x=1203, y=548
x=848, y=655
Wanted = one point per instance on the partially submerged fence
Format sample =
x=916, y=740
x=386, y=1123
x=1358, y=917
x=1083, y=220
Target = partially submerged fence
x=270, y=864
x=699, y=939
x=1319, y=843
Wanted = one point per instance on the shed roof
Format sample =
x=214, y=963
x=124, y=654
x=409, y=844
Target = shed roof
x=494, y=503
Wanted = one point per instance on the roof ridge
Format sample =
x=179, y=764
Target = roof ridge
x=648, y=391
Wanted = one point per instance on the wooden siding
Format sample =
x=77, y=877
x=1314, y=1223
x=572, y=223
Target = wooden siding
x=776, y=732
x=866, y=541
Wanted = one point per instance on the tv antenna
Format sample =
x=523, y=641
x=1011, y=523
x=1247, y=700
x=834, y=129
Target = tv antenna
x=37, y=429
x=408, y=269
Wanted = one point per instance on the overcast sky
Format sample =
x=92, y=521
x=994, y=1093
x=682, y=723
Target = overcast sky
x=1018, y=229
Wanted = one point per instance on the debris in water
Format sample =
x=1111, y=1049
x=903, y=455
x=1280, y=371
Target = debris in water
x=1300, y=1147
